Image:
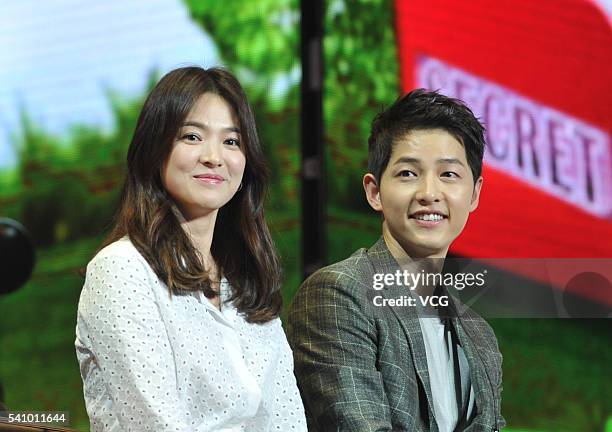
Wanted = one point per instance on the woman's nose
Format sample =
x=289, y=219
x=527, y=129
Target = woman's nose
x=211, y=154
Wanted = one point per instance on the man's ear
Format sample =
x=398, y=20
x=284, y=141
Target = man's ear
x=372, y=191
x=476, y=194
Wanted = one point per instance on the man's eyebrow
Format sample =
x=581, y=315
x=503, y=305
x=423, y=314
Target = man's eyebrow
x=416, y=161
x=407, y=159
x=204, y=127
x=451, y=161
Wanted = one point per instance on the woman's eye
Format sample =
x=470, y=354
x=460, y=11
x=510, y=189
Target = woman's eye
x=232, y=142
x=191, y=137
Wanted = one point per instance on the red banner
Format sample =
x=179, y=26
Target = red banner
x=539, y=74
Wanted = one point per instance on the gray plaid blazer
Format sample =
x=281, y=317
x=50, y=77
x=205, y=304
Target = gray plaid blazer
x=358, y=371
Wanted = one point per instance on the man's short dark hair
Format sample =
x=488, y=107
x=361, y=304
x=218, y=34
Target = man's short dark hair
x=422, y=110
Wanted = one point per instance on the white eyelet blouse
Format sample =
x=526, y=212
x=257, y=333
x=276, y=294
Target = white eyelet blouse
x=154, y=362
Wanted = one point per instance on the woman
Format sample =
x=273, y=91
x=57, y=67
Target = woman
x=178, y=327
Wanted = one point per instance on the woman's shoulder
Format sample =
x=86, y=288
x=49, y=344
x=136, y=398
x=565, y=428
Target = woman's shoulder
x=121, y=247
x=121, y=253
x=119, y=271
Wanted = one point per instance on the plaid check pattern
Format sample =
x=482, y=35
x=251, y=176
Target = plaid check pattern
x=359, y=371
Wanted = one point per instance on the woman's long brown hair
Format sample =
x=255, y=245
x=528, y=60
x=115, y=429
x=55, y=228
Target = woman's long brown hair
x=242, y=245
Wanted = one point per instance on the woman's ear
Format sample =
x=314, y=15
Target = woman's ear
x=372, y=191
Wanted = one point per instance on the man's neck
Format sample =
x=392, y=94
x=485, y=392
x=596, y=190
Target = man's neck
x=415, y=263
x=406, y=252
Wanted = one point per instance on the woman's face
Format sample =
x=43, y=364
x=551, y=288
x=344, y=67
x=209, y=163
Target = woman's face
x=206, y=164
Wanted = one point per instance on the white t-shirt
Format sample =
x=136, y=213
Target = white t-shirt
x=442, y=374
x=151, y=361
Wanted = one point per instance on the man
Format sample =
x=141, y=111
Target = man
x=361, y=369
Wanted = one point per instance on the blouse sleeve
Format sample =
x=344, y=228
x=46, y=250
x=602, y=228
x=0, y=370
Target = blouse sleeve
x=129, y=341
x=287, y=408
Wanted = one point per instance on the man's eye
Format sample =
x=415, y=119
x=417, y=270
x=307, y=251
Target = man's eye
x=232, y=142
x=191, y=137
x=450, y=174
x=406, y=173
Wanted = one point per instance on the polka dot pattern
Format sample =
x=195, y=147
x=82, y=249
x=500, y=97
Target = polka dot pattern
x=155, y=362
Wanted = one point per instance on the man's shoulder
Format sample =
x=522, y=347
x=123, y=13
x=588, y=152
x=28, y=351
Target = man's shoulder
x=332, y=294
x=349, y=269
x=352, y=273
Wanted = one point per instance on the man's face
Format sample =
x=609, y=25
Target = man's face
x=425, y=194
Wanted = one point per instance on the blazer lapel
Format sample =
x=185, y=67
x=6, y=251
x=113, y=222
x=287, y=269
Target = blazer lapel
x=383, y=262
x=480, y=384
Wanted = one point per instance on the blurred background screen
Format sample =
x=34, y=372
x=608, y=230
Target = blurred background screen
x=74, y=74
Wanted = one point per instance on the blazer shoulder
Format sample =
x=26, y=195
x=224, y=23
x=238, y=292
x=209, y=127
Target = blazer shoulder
x=352, y=273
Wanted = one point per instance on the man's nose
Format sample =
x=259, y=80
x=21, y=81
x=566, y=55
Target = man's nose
x=428, y=190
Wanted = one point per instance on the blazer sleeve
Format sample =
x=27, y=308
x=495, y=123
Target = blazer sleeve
x=492, y=358
x=500, y=420
x=335, y=347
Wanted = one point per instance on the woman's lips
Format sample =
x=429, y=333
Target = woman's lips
x=209, y=178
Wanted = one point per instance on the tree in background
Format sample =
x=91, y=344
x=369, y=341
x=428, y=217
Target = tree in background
x=66, y=188
x=260, y=42
x=361, y=78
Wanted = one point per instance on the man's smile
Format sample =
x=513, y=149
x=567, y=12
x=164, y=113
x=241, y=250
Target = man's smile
x=428, y=218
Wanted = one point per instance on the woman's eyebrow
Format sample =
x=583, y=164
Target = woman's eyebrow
x=204, y=127
x=194, y=124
